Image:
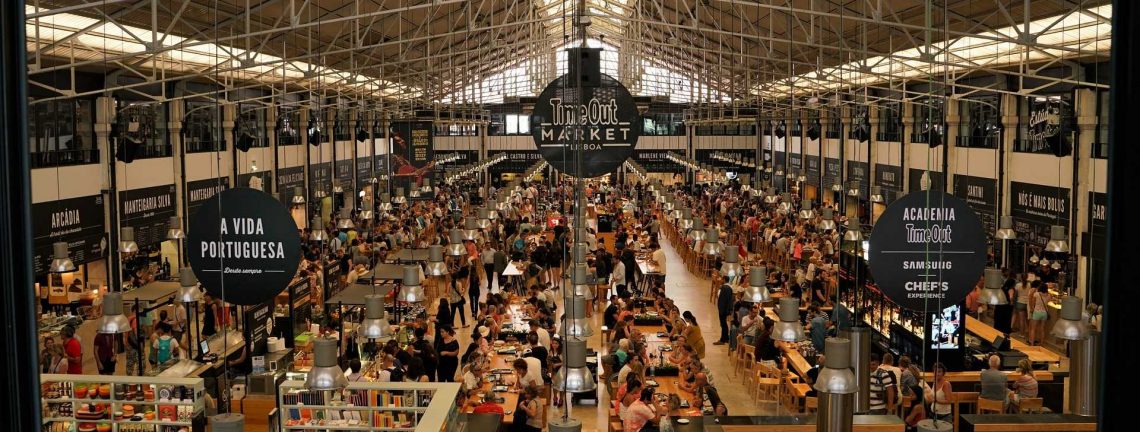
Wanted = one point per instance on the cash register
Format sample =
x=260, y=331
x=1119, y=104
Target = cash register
x=204, y=354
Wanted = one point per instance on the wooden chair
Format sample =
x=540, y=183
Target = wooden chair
x=545, y=412
x=737, y=357
x=811, y=404
x=991, y=406
x=606, y=334
x=1031, y=405
x=766, y=383
x=960, y=399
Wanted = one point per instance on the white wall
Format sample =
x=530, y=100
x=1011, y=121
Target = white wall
x=208, y=165
x=263, y=156
x=291, y=156
x=345, y=150
x=662, y=143
x=855, y=151
x=812, y=148
x=921, y=156
x=144, y=173
x=52, y=184
x=320, y=154
x=976, y=162
x=1042, y=169
x=889, y=153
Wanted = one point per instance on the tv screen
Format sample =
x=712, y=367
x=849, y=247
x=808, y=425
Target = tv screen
x=945, y=328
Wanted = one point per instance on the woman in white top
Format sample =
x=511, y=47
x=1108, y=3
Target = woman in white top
x=943, y=395
x=1021, y=308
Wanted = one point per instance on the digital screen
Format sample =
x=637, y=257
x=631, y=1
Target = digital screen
x=730, y=174
x=945, y=328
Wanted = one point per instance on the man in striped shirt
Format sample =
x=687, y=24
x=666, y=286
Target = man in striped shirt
x=883, y=387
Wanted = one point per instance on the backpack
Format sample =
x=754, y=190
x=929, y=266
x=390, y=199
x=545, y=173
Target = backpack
x=519, y=244
x=162, y=353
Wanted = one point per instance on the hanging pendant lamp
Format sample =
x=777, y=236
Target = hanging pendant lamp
x=854, y=230
x=492, y=210
x=113, y=321
x=317, y=230
x=731, y=268
x=385, y=202
x=188, y=291
x=400, y=198
x=470, y=230
x=127, y=243
x=412, y=291
x=576, y=324
x=1058, y=240
x=435, y=264
x=853, y=188
x=712, y=242
x=1005, y=229
x=785, y=203
x=757, y=291
x=325, y=374
x=455, y=246
x=174, y=229
x=687, y=221
x=298, y=196
x=697, y=230
x=788, y=329
x=1071, y=325
x=574, y=376
x=484, y=221
x=61, y=261
x=876, y=194
x=345, y=221
x=992, y=294
x=827, y=219
x=770, y=196
x=806, y=212
x=375, y=324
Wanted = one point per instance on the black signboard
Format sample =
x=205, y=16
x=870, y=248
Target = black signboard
x=77, y=221
x=814, y=169
x=927, y=252
x=795, y=163
x=706, y=156
x=598, y=119
x=889, y=179
x=858, y=171
x=246, y=239
x=1037, y=207
x=465, y=157
x=412, y=154
x=832, y=168
x=265, y=179
x=258, y=322
x=363, y=171
x=517, y=160
x=344, y=173
x=658, y=160
x=320, y=177
x=381, y=164
x=289, y=179
x=199, y=191
x=780, y=164
x=915, y=184
x=1098, y=211
x=980, y=193
x=148, y=210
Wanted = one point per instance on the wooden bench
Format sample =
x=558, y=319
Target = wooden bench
x=1028, y=423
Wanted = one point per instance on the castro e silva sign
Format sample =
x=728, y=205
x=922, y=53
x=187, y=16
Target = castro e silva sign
x=600, y=120
x=927, y=248
x=245, y=239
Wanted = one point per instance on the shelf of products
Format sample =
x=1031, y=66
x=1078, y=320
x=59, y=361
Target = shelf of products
x=100, y=403
x=881, y=314
x=369, y=406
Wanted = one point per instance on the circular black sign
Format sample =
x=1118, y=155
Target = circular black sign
x=600, y=120
x=247, y=238
x=926, y=248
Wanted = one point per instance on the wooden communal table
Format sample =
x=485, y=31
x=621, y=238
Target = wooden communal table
x=1035, y=354
x=510, y=397
x=1027, y=422
x=976, y=376
x=790, y=423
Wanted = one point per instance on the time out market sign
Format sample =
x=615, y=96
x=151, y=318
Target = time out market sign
x=599, y=121
x=927, y=248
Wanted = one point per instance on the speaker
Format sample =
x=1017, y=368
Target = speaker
x=1001, y=343
x=585, y=66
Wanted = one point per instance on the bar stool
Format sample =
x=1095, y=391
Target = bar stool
x=991, y=406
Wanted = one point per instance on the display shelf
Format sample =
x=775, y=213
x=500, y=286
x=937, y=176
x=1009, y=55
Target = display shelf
x=60, y=411
x=369, y=406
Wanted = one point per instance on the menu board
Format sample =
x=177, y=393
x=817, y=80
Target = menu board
x=980, y=193
x=77, y=221
x=199, y=191
x=832, y=168
x=363, y=171
x=658, y=160
x=705, y=156
x=517, y=160
x=859, y=171
x=320, y=176
x=1035, y=208
x=344, y=170
x=148, y=211
x=889, y=179
x=814, y=169
x=412, y=153
x=795, y=163
x=258, y=324
x=289, y=179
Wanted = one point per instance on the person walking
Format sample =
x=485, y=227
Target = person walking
x=105, y=358
x=72, y=350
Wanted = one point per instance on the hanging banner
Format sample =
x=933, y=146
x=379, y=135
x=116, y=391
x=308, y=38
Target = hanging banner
x=1035, y=208
x=412, y=154
x=598, y=121
x=517, y=160
x=344, y=173
x=980, y=193
x=261, y=180
x=199, y=191
x=658, y=160
x=76, y=221
x=889, y=180
x=380, y=163
x=1098, y=211
x=148, y=210
x=363, y=172
x=859, y=171
x=813, y=169
x=832, y=168
x=320, y=177
x=288, y=179
x=244, y=241
x=927, y=251
x=706, y=156
x=795, y=163
x=937, y=179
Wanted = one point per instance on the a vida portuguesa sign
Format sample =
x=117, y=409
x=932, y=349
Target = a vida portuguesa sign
x=246, y=241
x=927, y=251
x=597, y=117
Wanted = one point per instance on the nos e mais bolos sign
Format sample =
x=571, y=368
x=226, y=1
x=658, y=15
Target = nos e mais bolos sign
x=927, y=248
x=243, y=240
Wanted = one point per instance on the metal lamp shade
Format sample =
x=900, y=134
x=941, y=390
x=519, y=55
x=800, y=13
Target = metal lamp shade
x=113, y=320
x=788, y=328
x=853, y=189
x=827, y=219
x=455, y=246
x=366, y=215
x=188, y=291
x=375, y=324
x=345, y=221
x=435, y=264
x=854, y=230
x=412, y=291
x=298, y=196
x=325, y=374
x=836, y=376
x=470, y=229
x=991, y=294
x=712, y=242
x=770, y=196
x=785, y=204
x=317, y=228
x=1058, y=240
x=575, y=377
x=61, y=261
x=697, y=230
x=426, y=187
x=400, y=198
x=757, y=291
x=731, y=267
x=320, y=193
x=805, y=210
x=876, y=194
x=127, y=243
x=1071, y=326
x=669, y=205
x=174, y=230
x=687, y=221
x=484, y=221
x=385, y=202
x=577, y=325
